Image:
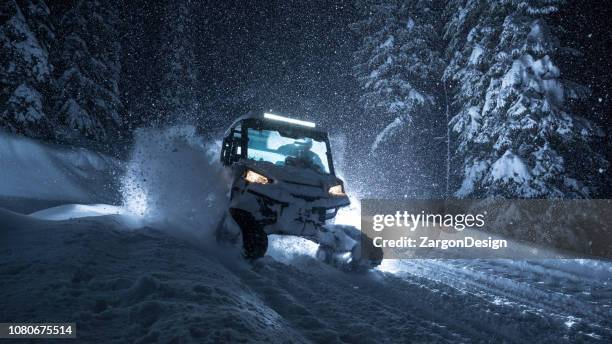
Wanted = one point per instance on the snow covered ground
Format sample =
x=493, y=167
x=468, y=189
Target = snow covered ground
x=146, y=271
x=34, y=175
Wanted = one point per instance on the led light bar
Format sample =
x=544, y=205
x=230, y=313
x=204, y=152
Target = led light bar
x=289, y=120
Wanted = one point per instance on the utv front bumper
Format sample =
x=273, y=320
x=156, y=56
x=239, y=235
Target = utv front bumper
x=287, y=209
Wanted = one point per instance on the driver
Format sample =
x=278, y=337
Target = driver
x=301, y=150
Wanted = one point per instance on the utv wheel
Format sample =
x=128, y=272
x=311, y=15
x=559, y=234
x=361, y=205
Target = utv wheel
x=254, y=238
x=324, y=254
x=370, y=255
x=372, y=260
x=374, y=254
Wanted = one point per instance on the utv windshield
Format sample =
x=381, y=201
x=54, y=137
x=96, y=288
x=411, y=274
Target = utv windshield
x=282, y=149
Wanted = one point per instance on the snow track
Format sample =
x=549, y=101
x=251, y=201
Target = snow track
x=570, y=298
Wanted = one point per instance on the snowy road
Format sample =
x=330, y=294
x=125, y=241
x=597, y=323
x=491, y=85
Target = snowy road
x=123, y=285
x=124, y=278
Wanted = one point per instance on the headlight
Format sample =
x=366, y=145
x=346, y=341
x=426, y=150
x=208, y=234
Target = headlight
x=337, y=190
x=254, y=177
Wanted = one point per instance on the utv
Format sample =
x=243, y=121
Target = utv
x=283, y=182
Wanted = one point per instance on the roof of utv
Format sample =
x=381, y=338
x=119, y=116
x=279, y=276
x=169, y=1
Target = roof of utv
x=261, y=116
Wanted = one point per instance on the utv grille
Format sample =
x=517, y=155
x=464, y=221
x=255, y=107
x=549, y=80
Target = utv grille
x=306, y=198
x=325, y=214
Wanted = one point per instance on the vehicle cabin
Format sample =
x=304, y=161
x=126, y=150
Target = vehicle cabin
x=278, y=140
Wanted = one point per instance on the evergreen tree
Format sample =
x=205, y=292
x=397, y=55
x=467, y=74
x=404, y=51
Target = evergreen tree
x=38, y=17
x=180, y=73
x=470, y=33
x=515, y=132
x=398, y=64
x=88, y=65
x=25, y=71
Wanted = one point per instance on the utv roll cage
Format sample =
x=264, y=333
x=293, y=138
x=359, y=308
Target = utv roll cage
x=235, y=141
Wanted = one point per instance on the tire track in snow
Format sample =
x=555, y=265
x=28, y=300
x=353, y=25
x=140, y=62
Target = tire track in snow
x=494, y=283
x=354, y=307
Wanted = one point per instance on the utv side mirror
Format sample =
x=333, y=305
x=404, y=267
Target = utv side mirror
x=236, y=149
x=225, y=151
x=231, y=149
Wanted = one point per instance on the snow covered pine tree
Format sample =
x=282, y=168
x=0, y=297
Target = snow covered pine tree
x=25, y=71
x=180, y=75
x=514, y=130
x=398, y=67
x=88, y=70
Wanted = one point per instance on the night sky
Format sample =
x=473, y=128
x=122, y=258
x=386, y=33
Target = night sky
x=586, y=28
x=297, y=53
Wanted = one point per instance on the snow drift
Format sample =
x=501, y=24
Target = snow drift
x=36, y=172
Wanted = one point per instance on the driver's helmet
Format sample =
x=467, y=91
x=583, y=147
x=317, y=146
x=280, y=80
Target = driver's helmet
x=304, y=144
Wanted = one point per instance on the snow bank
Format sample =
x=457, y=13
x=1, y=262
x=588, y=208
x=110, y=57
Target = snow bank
x=127, y=286
x=75, y=211
x=147, y=286
x=34, y=170
x=174, y=180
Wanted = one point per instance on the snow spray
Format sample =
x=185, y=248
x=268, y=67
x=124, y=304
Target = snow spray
x=175, y=182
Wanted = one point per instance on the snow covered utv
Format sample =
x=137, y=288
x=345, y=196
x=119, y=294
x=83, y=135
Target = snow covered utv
x=284, y=183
